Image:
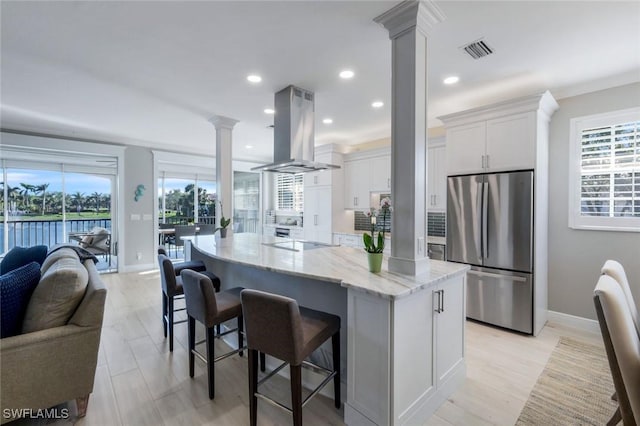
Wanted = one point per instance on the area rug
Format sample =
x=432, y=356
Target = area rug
x=575, y=388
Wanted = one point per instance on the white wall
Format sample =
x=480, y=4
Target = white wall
x=576, y=256
x=139, y=236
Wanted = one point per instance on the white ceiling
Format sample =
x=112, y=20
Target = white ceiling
x=151, y=73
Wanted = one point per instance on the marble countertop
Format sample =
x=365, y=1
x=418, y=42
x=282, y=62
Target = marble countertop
x=343, y=265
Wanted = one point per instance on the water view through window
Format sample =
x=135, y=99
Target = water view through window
x=40, y=206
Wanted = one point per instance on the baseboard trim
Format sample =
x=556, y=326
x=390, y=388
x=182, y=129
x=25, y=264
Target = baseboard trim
x=138, y=268
x=573, y=321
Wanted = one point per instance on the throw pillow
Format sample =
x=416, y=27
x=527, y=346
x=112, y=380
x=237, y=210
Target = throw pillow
x=16, y=288
x=20, y=256
x=57, y=296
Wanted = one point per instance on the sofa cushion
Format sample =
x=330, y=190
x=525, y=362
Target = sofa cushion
x=20, y=256
x=57, y=296
x=16, y=288
x=56, y=255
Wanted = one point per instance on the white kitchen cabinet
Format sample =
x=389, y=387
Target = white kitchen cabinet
x=269, y=230
x=356, y=179
x=426, y=362
x=449, y=308
x=321, y=178
x=466, y=147
x=296, y=233
x=348, y=240
x=437, y=181
x=317, y=214
x=380, y=173
x=493, y=145
x=511, y=143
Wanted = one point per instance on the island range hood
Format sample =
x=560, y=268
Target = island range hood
x=293, y=144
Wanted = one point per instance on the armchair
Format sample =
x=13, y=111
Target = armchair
x=97, y=242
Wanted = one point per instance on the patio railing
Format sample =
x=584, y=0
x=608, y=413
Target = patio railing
x=26, y=233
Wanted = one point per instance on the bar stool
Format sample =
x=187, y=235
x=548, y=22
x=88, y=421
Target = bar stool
x=194, y=265
x=171, y=290
x=277, y=326
x=211, y=309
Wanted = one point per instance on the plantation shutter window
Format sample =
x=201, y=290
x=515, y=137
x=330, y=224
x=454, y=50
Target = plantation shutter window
x=608, y=185
x=290, y=192
x=610, y=171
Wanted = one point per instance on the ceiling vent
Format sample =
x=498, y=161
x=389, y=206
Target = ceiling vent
x=478, y=49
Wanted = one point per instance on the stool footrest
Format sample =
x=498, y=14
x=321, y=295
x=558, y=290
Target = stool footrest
x=306, y=364
x=273, y=373
x=219, y=358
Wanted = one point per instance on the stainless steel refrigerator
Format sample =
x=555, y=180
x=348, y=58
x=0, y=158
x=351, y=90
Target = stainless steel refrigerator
x=490, y=227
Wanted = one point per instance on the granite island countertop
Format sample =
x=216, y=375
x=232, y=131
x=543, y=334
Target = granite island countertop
x=343, y=265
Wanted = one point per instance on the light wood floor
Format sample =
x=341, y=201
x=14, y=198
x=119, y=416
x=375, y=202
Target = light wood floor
x=139, y=382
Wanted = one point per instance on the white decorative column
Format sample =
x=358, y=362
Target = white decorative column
x=408, y=24
x=224, y=165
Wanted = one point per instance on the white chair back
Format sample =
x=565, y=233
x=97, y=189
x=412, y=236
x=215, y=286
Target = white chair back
x=622, y=344
x=615, y=270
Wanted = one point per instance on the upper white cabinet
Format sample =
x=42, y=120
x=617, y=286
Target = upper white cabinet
x=357, y=184
x=497, y=138
x=380, y=173
x=466, y=147
x=322, y=177
x=511, y=142
x=437, y=177
x=366, y=172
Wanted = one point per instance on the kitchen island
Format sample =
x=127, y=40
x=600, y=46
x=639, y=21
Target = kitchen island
x=402, y=336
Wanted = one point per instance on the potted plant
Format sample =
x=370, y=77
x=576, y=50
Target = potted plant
x=223, y=223
x=374, y=246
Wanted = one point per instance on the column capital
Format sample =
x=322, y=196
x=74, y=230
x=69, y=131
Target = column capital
x=222, y=122
x=421, y=14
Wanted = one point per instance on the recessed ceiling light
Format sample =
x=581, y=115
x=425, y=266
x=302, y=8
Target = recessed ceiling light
x=346, y=74
x=451, y=80
x=327, y=121
x=269, y=111
x=248, y=146
x=377, y=104
x=253, y=78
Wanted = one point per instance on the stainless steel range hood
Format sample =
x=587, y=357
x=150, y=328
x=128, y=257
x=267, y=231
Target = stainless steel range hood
x=293, y=145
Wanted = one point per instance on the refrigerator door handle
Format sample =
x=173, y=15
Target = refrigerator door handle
x=485, y=220
x=480, y=208
x=504, y=277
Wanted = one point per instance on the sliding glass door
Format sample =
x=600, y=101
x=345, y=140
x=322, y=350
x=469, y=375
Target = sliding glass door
x=47, y=203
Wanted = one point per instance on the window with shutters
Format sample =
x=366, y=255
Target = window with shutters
x=605, y=171
x=290, y=192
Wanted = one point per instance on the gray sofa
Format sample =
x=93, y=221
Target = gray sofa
x=44, y=368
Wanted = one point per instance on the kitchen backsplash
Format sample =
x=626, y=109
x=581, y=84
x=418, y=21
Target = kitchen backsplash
x=363, y=223
x=435, y=223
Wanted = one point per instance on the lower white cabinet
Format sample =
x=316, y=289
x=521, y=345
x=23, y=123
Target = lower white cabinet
x=317, y=214
x=449, y=307
x=297, y=233
x=348, y=240
x=416, y=341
